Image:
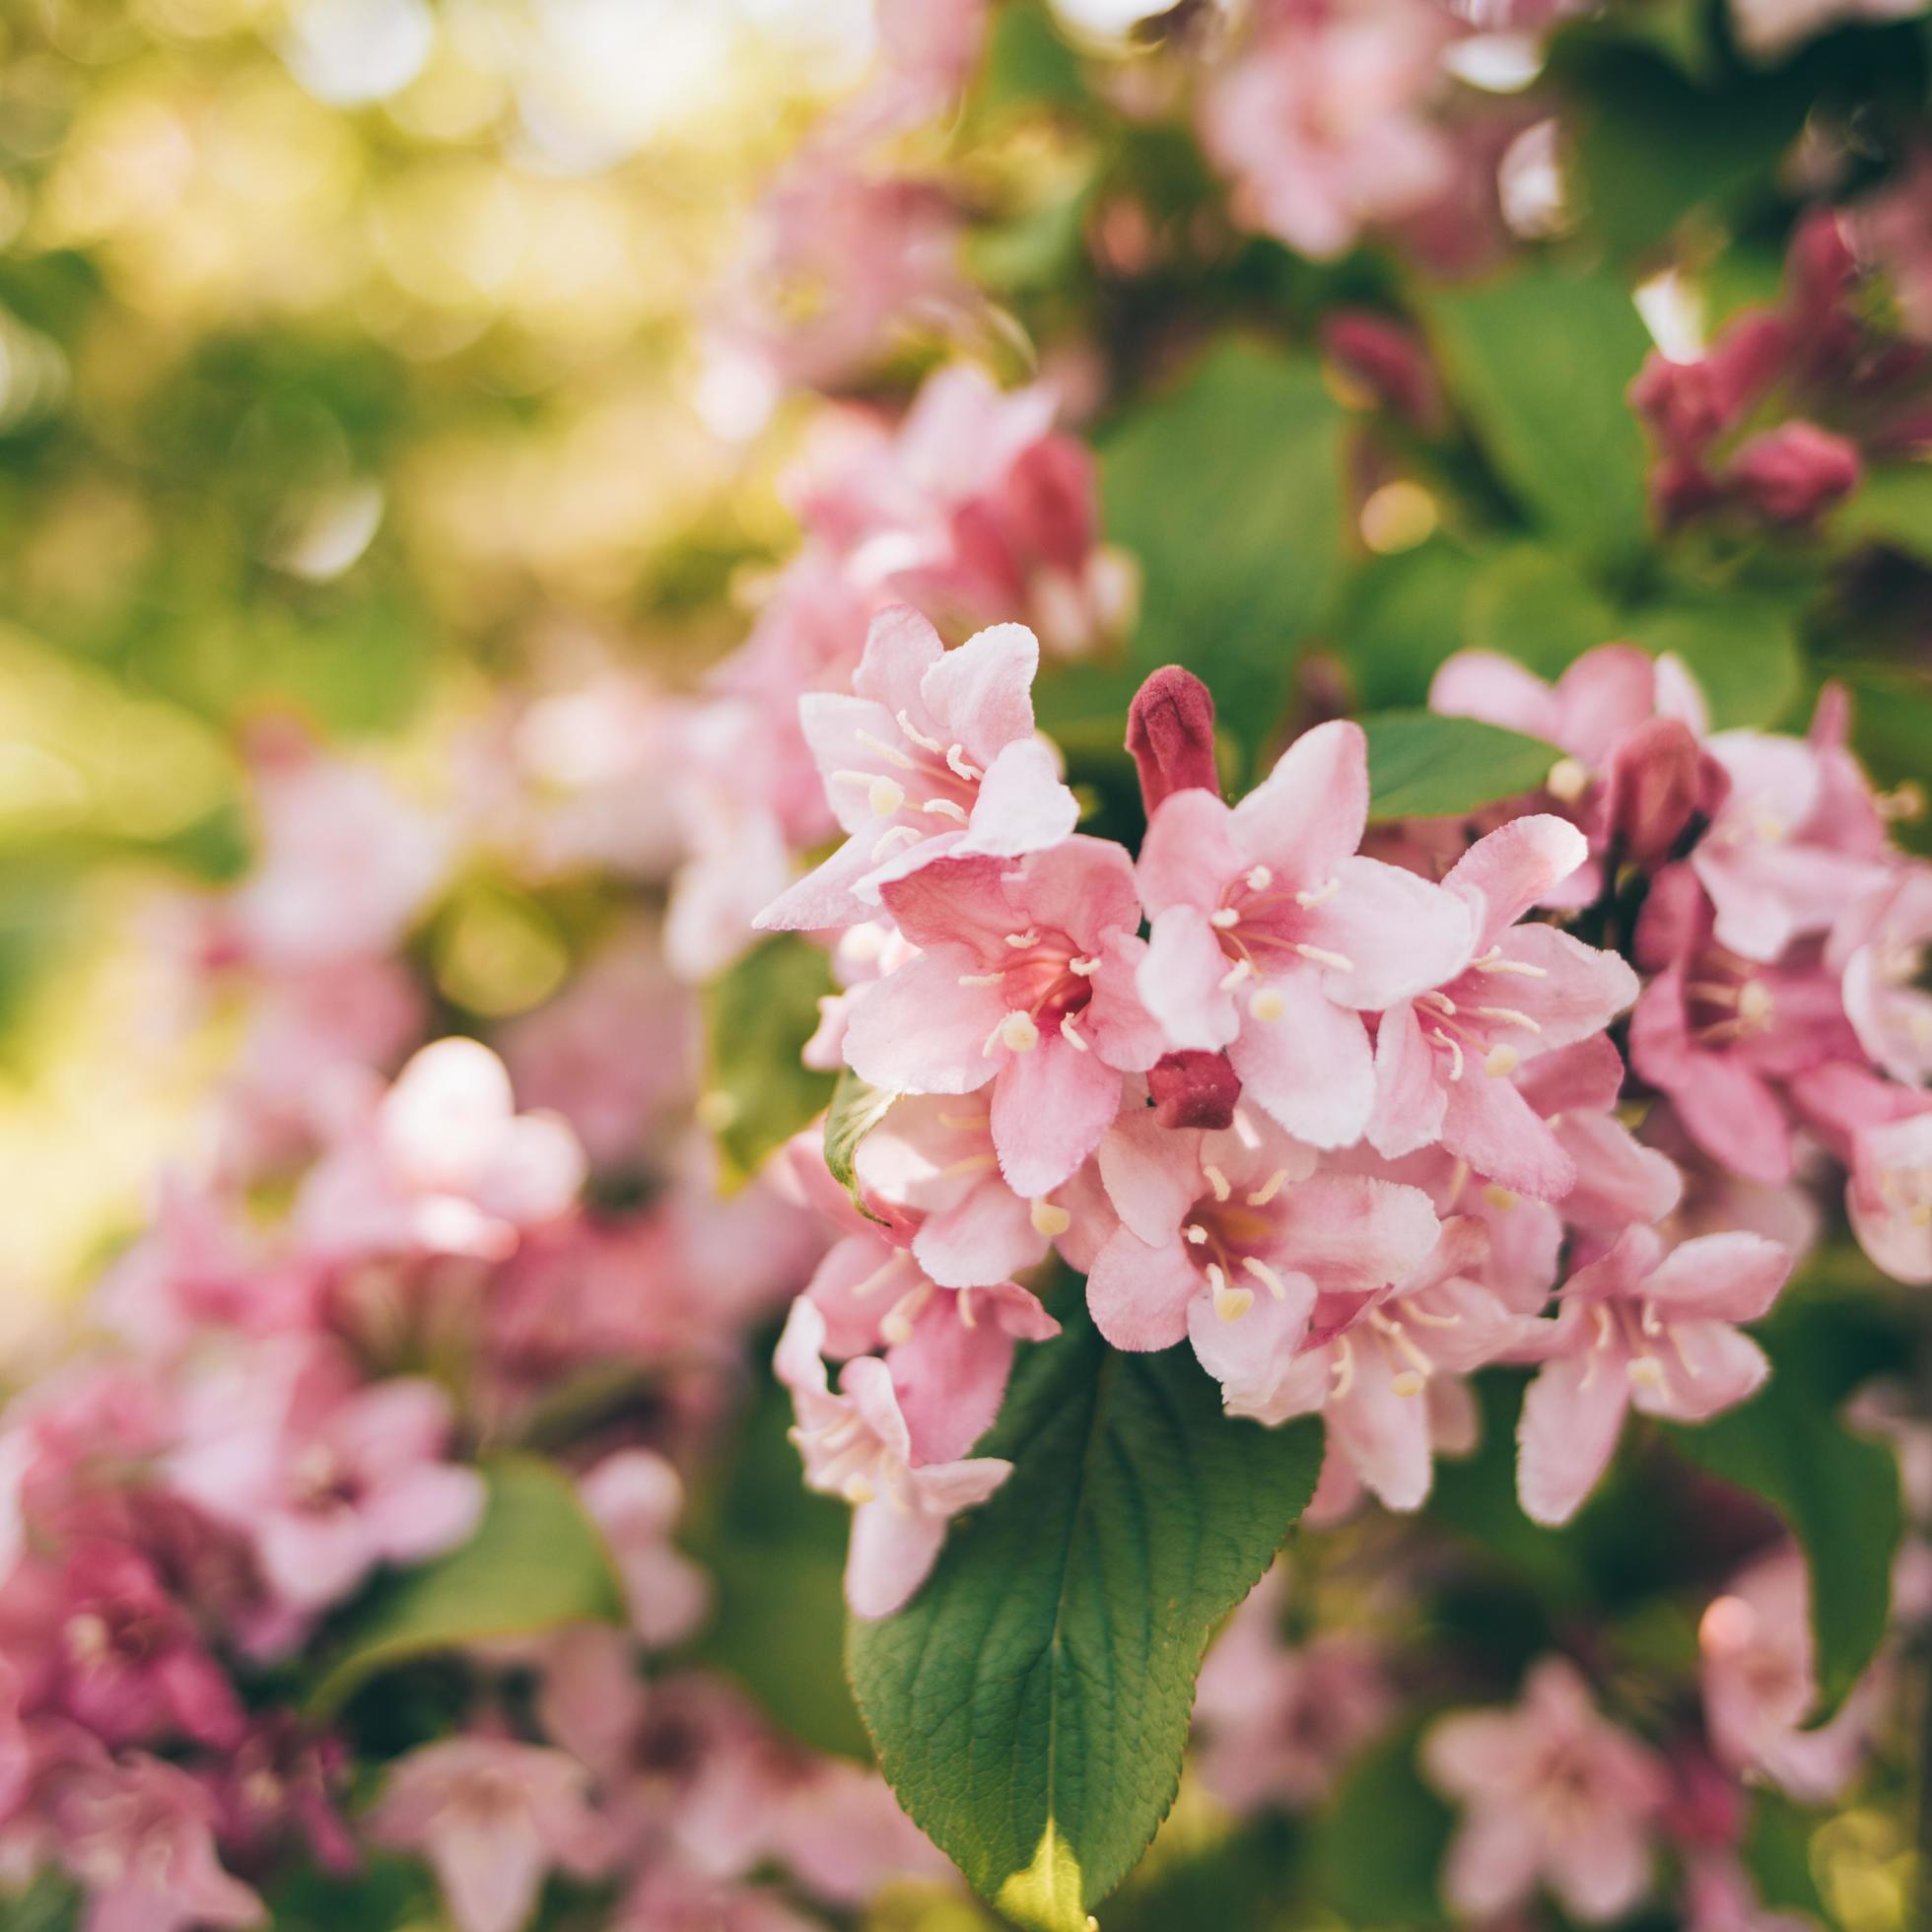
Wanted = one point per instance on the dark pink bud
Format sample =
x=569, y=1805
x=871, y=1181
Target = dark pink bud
x=1746, y=360
x=1170, y=730
x=1707, y=1805
x=1194, y=1089
x=1655, y=785
x=1678, y=402
x=1389, y=360
x=1681, y=488
x=1795, y=472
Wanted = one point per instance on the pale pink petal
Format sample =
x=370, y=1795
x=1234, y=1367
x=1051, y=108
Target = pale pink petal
x=1309, y=813
x=984, y=1238
x=837, y=729
x=1475, y=1754
x=1385, y=1436
x=1702, y=1369
x=901, y=647
x=1599, y=1872
x=1401, y=934
x=1151, y=1173
x=889, y=1555
x=429, y=1510
x=921, y=1031
x=1083, y=888
x=1139, y=1295
x=1120, y=1029
x=956, y=901
x=1486, y=684
x=1189, y=854
x=1311, y=1068
x=1490, y=1124
x=1493, y=1861
x=1409, y=1099
x=981, y=693
x=1022, y=804
x=1604, y=694
x=1251, y=1355
x=1354, y=1233
x=949, y=1380
x=1501, y=876
x=1050, y=1108
x=826, y=896
x=1733, y=1277
x=866, y=1382
x=1572, y=1415
x=491, y=1869
x=1582, y=990
x=1180, y=976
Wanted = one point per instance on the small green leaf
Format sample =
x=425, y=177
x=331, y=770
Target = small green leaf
x=1837, y=1492
x=1892, y=505
x=1382, y=1842
x=1421, y=765
x=1399, y=622
x=1539, y=358
x=758, y=1015
x=1030, y=1704
x=857, y=1108
x=1536, y=606
x=1743, y=651
x=536, y=1563
x=1238, y=554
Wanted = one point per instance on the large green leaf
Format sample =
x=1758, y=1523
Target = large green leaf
x=1892, y=505
x=758, y=1015
x=1382, y=1842
x=1423, y=765
x=857, y=1108
x=1030, y=1704
x=1742, y=649
x=1538, y=607
x=1229, y=492
x=1838, y=1493
x=537, y=1562
x=1539, y=360
x=1399, y=622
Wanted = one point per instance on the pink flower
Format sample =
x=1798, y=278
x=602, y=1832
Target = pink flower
x=137, y=1834
x=1646, y=1328
x=442, y=1163
x=1719, y=1897
x=1270, y=938
x=1761, y=1682
x=1880, y=947
x=1320, y=122
x=1382, y=1370
x=635, y=1498
x=1445, y=1060
x=1890, y=1196
x=856, y=1444
x=492, y=1816
x=1721, y=1033
x=932, y=755
x=1230, y=1236
x=839, y=1833
x=1278, y=1723
x=1026, y=984
x=327, y=1475
x=1553, y=1793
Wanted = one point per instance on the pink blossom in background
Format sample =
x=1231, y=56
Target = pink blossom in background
x=636, y=1498
x=1880, y=947
x=1553, y=1794
x=1642, y=1328
x=492, y=1816
x=1890, y=1196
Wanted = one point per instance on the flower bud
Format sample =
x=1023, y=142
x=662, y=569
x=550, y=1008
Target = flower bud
x=1795, y=472
x=1389, y=360
x=1655, y=785
x=1170, y=730
x=1194, y=1089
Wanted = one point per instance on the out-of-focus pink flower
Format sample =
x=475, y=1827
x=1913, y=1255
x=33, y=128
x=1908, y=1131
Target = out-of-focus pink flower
x=1553, y=1794
x=345, y=863
x=1641, y=1326
x=1270, y=937
x=1770, y=30
x=1880, y=947
x=1278, y=1723
x=1721, y=1033
x=1382, y=1370
x=669, y=1898
x=932, y=755
x=1322, y=121
x=1235, y=1231
x=856, y=1444
x=1719, y=1897
x=138, y=1835
x=839, y=1833
x=1761, y=1680
x=1890, y=1196
x=636, y=1498
x=1445, y=1059
x=492, y=1816
x=442, y=1163
x=1025, y=984
x=327, y=1475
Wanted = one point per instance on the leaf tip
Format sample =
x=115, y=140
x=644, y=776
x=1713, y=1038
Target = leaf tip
x=1048, y=1896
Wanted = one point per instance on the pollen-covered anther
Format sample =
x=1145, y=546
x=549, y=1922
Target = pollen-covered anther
x=1647, y=1371
x=1259, y=878
x=858, y=1490
x=1020, y=941
x=1569, y=780
x=1016, y=1033
x=1230, y=1304
x=1217, y=1180
x=1082, y=967
x=1499, y=1199
x=1268, y=1006
x=885, y=795
x=1320, y=896
x=1267, y=1276
x=1224, y=919
x=962, y=765
x=1502, y=1060
x=1048, y=1218
x=946, y=809
x=1322, y=956
x=1071, y=1034
x=1268, y=1189
x=1194, y=1234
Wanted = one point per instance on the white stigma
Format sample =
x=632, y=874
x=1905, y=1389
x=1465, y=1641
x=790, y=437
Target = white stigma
x=885, y=796
x=1268, y=1006
x=1230, y=1304
x=1016, y=1033
x=1048, y=1218
x=1569, y=780
x=1502, y=1060
x=1224, y=919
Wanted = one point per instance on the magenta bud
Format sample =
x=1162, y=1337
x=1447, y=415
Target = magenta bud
x=1656, y=784
x=1794, y=473
x=1194, y=1089
x=1390, y=361
x=1170, y=730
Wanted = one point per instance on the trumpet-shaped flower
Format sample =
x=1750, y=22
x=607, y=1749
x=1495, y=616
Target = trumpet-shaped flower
x=1272, y=938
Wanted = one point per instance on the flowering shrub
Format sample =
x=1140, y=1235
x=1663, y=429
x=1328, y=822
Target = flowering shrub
x=1230, y=1127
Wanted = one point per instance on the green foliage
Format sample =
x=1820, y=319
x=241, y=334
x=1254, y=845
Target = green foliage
x=1891, y=505
x=1838, y=1493
x=1382, y=1842
x=537, y=1562
x=1030, y=1704
x=1538, y=607
x=857, y=1108
x=1540, y=360
x=1742, y=649
x=776, y=1552
x=1400, y=619
x=758, y=1015
x=1421, y=765
x=389, y=1894
x=1228, y=490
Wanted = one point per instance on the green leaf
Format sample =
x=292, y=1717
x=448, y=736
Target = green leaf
x=1837, y=1492
x=857, y=1108
x=1030, y=1704
x=1421, y=765
x=536, y=1563
x=1229, y=492
x=1400, y=622
x=1892, y=505
x=388, y=1893
x=758, y=1015
x=1536, y=606
x=775, y=1552
x=1382, y=1842
x=1743, y=651
x=1539, y=360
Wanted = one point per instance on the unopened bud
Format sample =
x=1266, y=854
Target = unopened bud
x=1170, y=730
x=1795, y=472
x=1194, y=1089
x=1655, y=785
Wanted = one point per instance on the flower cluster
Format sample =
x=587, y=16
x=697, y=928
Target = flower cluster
x=1353, y=1126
